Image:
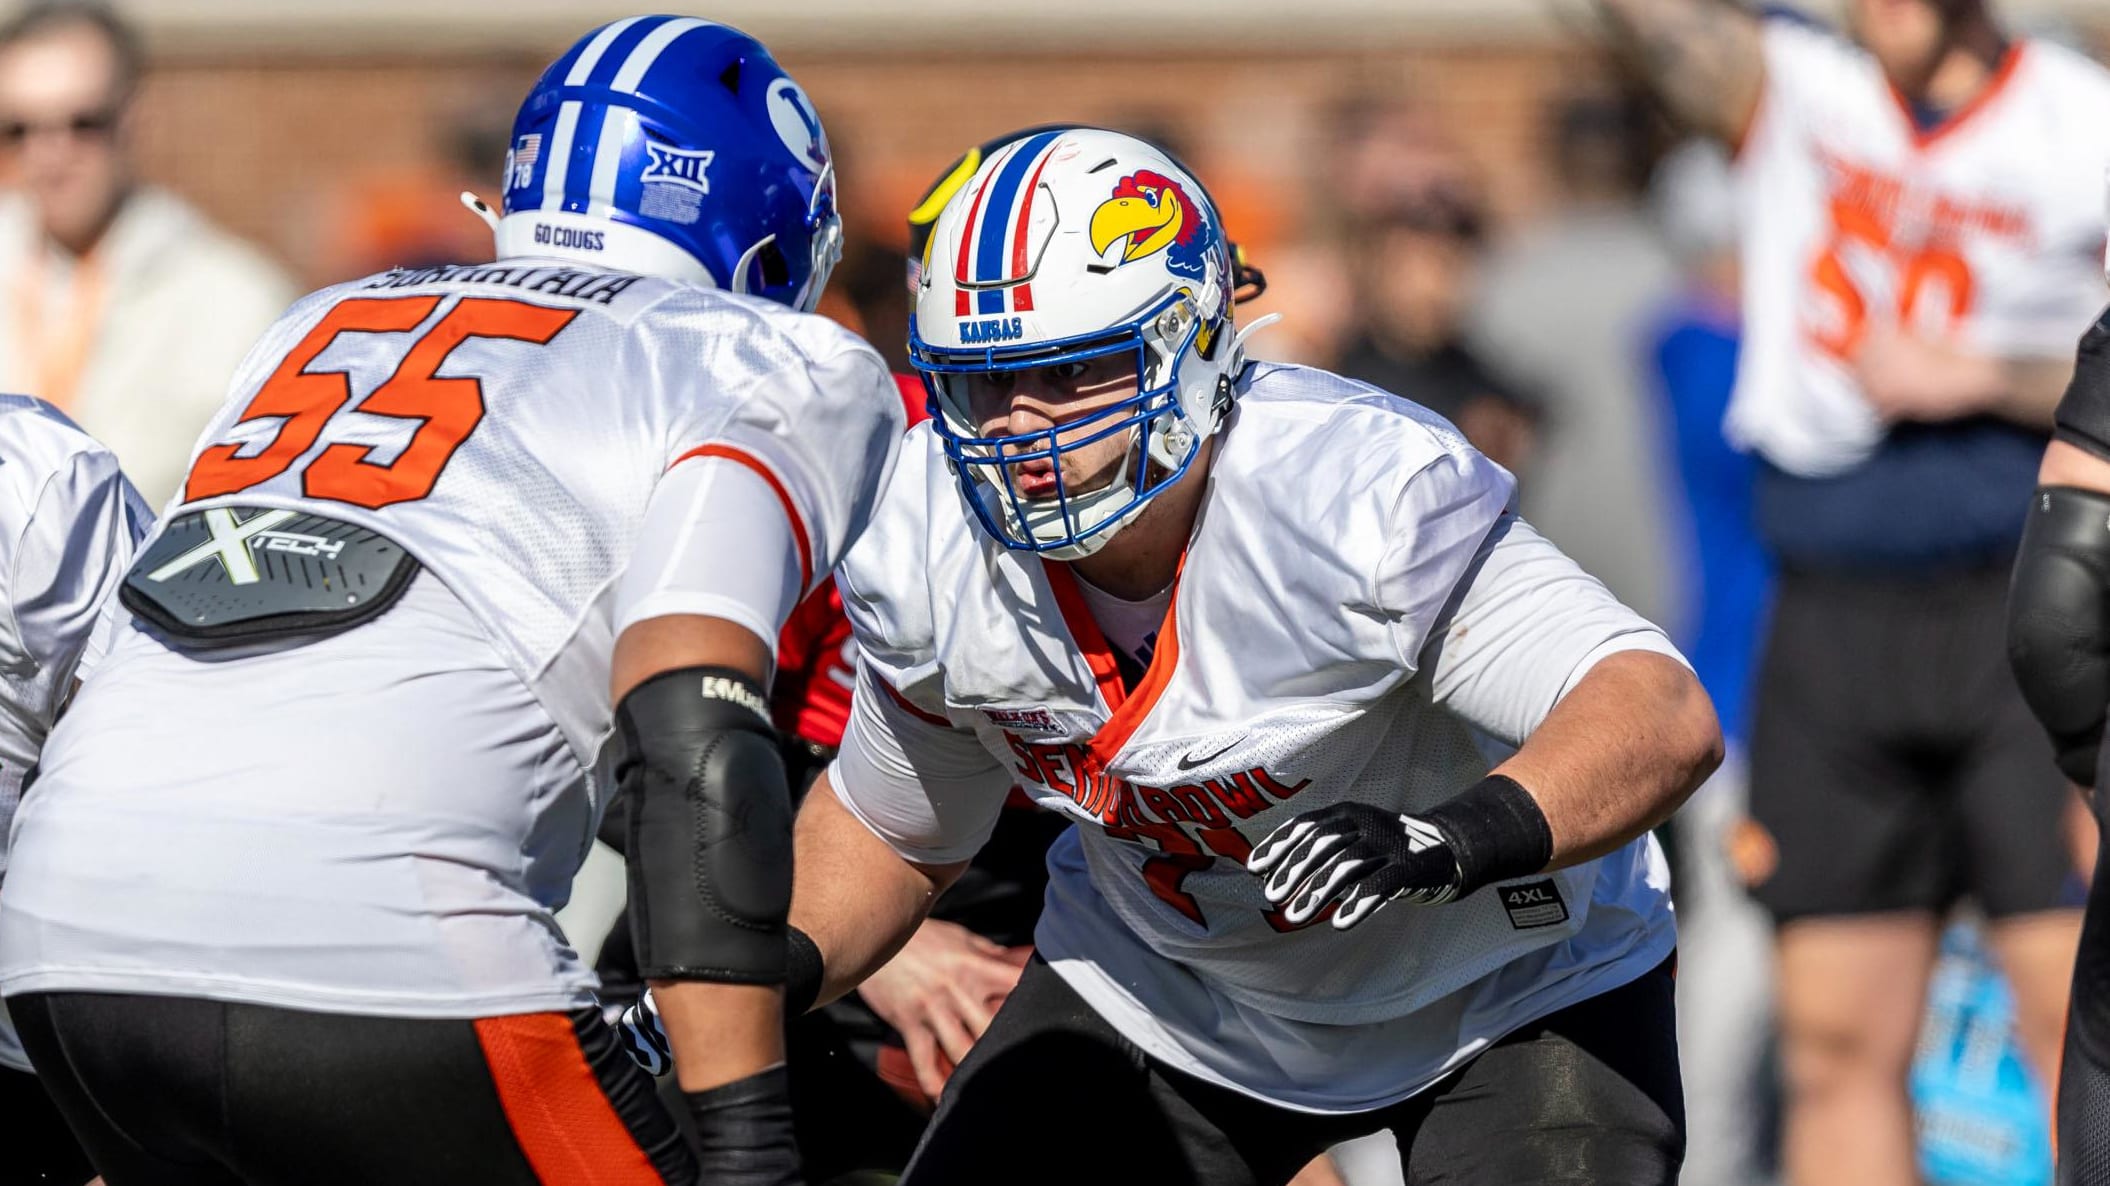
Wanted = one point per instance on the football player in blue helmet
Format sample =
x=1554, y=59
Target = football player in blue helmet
x=643, y=453
x=672, y=146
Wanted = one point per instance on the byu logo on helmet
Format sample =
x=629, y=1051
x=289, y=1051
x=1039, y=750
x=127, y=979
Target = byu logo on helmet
x=681, y=149
x=792, y=114
x=1072, y=251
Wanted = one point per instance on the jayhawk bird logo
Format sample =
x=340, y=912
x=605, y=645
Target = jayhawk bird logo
x=1153, y=213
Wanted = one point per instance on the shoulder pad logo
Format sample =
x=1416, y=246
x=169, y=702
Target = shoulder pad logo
x=994, y=329
x=678, y=166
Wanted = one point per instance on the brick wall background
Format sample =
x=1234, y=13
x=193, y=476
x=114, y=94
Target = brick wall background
x=313, y=153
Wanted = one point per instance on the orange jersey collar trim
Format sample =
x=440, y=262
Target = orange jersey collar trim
x=1128, y=706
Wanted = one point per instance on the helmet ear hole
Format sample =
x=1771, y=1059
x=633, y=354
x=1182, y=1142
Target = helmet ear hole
x=776, y=270
x=729, y=78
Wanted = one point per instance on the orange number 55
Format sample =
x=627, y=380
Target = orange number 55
x=450, y=408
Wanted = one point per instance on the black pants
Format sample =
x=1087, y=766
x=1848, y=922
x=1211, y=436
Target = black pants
x=39, y=1149
x=175, y=1091
x=1893, y=761
x=1589, y=1094
x=2084, y=1080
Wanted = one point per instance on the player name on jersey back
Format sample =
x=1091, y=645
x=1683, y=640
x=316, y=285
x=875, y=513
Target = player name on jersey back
x=579, y=284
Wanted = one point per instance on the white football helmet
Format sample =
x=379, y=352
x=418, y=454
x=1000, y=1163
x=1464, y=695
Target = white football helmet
x=1067, y=245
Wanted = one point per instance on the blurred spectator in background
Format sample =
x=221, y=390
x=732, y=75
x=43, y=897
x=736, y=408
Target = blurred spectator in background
x=118, y=303
x=1922, y=244
x=1411, y=236
x=1724, y=580
x=1411, y=271
x=1562, y=310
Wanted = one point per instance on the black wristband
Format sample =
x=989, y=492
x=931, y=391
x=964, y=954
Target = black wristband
x=1497, y=832
x=802, y=973
x=744, y=1135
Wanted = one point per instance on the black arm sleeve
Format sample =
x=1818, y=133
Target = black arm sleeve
x=709, y=852
x=2058, y=623
x=2083, y=415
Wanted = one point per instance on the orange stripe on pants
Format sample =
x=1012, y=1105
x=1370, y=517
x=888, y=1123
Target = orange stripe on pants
x=559, y=1114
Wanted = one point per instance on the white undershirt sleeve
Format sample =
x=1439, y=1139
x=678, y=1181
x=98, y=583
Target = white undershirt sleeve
x=928, y=789
x=718, y=542
x=1528, y=625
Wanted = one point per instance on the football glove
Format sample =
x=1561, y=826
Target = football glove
x=1358, y=857
x=644, y=1038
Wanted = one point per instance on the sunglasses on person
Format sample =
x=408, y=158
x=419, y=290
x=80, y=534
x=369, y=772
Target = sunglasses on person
x=88, y=125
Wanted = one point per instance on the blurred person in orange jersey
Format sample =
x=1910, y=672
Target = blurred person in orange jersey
x=1921, y=246
x=119, y=303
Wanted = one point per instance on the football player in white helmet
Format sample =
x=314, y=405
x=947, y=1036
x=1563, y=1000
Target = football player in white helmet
x=1246, y=624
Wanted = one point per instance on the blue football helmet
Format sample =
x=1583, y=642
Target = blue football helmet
x=672, y=146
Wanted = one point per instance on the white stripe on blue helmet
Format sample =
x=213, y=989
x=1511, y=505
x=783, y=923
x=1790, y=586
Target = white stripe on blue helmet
x=674, y=146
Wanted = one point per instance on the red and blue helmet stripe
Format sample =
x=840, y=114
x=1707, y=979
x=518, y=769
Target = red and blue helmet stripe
x=993, y=253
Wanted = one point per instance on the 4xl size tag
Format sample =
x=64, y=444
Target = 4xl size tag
x=1533, y=904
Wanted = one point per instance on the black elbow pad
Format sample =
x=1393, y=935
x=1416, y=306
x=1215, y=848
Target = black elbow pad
x=709, y=828
x=2058, y=622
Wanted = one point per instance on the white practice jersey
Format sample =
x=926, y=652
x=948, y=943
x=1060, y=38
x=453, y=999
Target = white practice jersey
x=1985, y=231
x=1356, y=601
x=383, y=820
x=68, y=525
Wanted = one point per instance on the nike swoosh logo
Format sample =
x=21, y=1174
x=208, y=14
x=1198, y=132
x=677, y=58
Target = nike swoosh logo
x=1190, y=761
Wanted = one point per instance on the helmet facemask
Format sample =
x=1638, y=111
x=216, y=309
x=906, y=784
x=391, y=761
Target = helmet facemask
x=824, y=243
x=1164, y=421
x=1065, y=246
